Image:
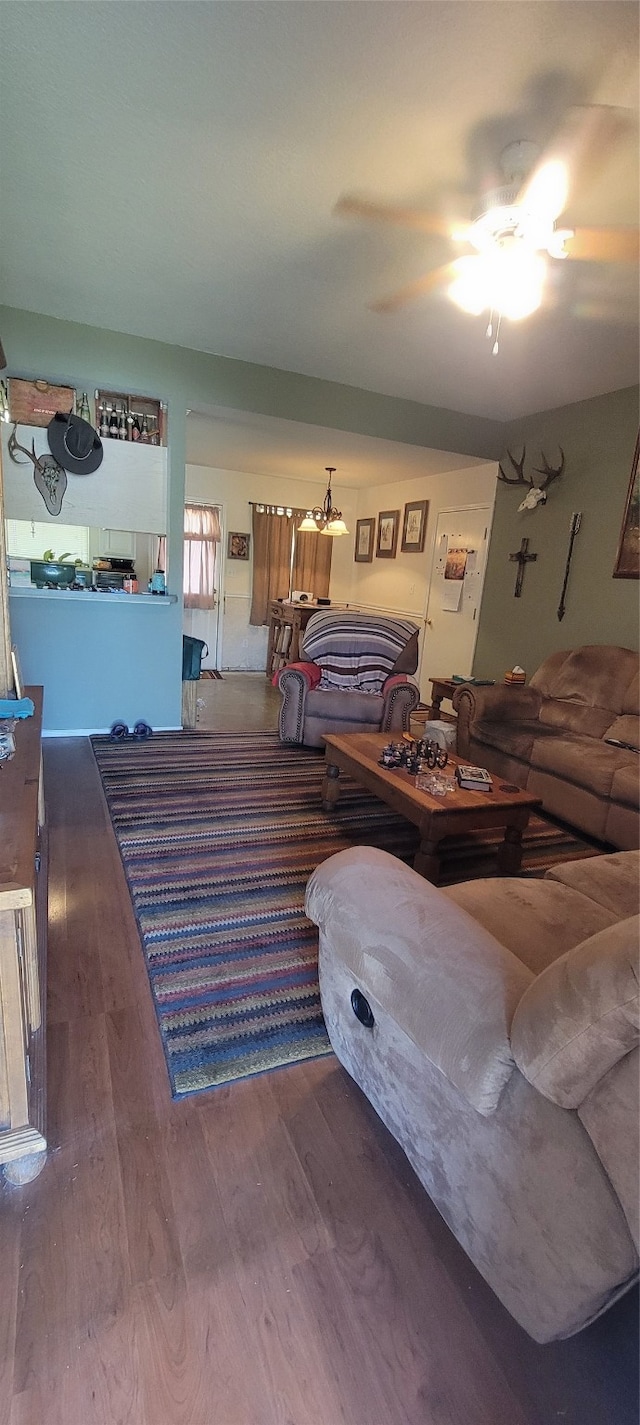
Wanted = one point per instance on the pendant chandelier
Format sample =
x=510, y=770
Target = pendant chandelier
x=324, y=519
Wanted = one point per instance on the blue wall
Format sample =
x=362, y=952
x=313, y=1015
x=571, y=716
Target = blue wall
x=100, y=660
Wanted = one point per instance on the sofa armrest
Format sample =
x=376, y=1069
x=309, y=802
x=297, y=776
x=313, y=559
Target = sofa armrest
x=445, y=980
x=400, y=698
x=497, y=704
x=294, y=684
x=580, y=1016
x=311, y=672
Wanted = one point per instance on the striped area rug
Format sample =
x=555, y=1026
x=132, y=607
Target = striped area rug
x=219, y=833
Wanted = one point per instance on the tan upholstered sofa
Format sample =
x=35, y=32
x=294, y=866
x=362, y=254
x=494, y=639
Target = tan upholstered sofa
x=503, y=1058
x=551, y=738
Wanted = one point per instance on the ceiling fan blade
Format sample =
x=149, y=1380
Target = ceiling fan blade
x=351, y=207
x=574, y=156
x=419, y=288
x=604, y=245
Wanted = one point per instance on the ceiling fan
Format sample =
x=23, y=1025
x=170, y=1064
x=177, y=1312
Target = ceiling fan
x=514, y=233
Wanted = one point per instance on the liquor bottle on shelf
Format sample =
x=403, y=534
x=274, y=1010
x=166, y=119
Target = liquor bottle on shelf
x=84, y=410
x=104, y=420
x=113, y=423
x=154, y=435
x=135, y=428
x=122, y=425
x=144, y=433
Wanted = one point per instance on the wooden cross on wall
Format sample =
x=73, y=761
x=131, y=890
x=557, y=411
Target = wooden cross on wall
x=522, y=558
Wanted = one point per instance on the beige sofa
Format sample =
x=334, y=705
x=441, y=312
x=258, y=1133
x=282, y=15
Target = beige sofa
x=503, y=1058
x=551, y=738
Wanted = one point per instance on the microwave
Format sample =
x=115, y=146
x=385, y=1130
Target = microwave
x=108, y=579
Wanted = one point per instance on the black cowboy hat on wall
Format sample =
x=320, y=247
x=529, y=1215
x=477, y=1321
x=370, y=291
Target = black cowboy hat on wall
x=74, y=443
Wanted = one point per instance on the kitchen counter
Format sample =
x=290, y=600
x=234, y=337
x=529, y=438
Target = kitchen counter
x=88, y=596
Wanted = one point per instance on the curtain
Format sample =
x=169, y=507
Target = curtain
x=272, y=536
x=312, y=563
x=201, y=538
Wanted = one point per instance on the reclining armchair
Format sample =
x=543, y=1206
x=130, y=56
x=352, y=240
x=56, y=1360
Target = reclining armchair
x=353, y=677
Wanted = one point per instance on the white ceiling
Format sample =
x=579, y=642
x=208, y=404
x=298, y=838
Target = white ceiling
x=266, y=445
x=170, y=170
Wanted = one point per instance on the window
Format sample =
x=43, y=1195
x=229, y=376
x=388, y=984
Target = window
x=201, y=540
x=28, y=539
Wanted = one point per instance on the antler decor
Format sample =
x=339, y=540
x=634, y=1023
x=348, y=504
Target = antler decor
x=50, y=479
x=537, y=491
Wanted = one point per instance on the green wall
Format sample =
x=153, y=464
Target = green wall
x=598, y=437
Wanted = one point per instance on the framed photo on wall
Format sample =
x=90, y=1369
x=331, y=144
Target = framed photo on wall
x=387, y=543
x=238, y=546
x=365, y=535
x=627, y=565
x=414, y=527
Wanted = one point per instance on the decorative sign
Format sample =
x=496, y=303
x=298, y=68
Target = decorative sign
x=35, y=403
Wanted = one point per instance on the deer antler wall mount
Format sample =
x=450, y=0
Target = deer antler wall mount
x=50, y=479
x=537, y=490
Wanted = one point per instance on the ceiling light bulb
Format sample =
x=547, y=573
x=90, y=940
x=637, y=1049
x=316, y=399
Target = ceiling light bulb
x=308, y=525
x=509, y=282
x=468, y=289
x=518, y=285
x=335, y=527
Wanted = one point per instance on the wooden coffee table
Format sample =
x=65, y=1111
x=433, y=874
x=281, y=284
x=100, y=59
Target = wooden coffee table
x=435, y=817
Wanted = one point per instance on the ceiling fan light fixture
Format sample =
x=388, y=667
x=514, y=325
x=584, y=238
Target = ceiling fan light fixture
x=509, y=282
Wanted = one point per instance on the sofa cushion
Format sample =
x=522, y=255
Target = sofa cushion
x=585, y=761
x=625, y=729
x=567, y=715
x=356, y=707
x=625, y=784
x=612, y=881
x=596, y=676
x=514, y=739
x=580, y=1016
x=536, y=920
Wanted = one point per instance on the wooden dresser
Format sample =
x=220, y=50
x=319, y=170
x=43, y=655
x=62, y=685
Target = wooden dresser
x=23, y=925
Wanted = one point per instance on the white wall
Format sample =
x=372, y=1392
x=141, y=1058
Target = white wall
x=127, y=491
x=244, y=647
x=397, y=585
x=401, y=585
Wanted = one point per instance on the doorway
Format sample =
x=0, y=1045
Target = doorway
x=455, y=593
x=204, y=623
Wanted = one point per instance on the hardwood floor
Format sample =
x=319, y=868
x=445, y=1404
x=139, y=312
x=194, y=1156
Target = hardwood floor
x=257, y=1255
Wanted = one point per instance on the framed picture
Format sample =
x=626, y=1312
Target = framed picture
x=388, y=521
x=365, y=535
x=414, y=527
x=627, y=565
x=238, y=546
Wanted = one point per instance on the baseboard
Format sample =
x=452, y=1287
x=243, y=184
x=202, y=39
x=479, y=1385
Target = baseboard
x=97, y=731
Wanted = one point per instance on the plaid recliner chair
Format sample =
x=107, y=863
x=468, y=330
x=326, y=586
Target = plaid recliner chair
x=352, y=678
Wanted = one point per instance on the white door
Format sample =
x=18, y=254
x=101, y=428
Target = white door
x=205, y=623
x=453, y=606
